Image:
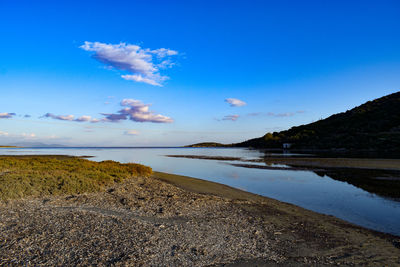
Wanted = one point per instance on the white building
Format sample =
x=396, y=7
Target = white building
x=286, y=145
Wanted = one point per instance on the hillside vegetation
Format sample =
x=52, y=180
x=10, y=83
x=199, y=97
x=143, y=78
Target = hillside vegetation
x=208, y=144
x=374, y=125
x=23, y=176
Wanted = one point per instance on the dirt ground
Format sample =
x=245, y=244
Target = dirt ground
x=169, y=220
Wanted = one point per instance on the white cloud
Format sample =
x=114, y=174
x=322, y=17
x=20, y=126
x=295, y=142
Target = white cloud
x=138, y=62
x=234, y=102
x=135, y=110
x=131, y=132
x=3, y=133
x=6, y=115
x=163, y=52
x=28, y=135
x=140, y=78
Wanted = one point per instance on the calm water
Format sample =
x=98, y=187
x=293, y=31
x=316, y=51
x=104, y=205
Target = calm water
x=302, y=188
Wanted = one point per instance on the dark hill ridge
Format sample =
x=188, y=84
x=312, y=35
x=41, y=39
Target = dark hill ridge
x=374, y=125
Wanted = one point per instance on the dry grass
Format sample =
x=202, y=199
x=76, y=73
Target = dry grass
x=23, y=176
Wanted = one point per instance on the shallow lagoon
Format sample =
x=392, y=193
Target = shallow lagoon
x=302, y=188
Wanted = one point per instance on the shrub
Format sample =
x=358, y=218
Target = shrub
x=22, y=176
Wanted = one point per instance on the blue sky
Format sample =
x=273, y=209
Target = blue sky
x=69, y=66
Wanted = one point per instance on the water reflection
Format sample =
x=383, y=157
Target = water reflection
x=384, y=183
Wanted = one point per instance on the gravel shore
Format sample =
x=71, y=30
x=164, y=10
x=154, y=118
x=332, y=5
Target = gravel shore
x=169, y=220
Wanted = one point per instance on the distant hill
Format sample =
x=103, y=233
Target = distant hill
x=208, y=144
x=35, y=144
x=374, y=125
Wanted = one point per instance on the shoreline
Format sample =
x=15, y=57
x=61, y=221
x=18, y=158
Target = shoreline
x=376, y=176
x=210, y=188
x=312, y=162
x=177, y=220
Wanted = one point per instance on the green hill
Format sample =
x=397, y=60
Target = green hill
x=208, y=144
x=374, y=125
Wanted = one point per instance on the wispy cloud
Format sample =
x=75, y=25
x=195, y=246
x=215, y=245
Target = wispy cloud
x=131, y=132
x=142, y=64
x=272, y=114
x=254, y=114
x=59, y=117
x=22, y=135
x=6, y=115
x=85, y=118
x=285, y=114
x=28, y=135
x=70, y=118
x=230, y=118
x=135, y=110
x=234, y=102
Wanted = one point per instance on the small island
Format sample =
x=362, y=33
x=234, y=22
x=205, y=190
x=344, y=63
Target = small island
x=208, y=144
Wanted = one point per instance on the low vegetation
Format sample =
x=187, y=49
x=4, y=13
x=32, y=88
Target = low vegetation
x=23, y=176
x=208, y=144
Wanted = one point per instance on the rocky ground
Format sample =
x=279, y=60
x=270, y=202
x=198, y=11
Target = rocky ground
x=161, y=221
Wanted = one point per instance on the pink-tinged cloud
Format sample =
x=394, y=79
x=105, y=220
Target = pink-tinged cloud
x=84, y=118
x=131, y=132
x=230, y=117
x=286, y=114
x=142, y=64
x=272, y=114
x=135, y=110
x=234, y=102
x=6, y=115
